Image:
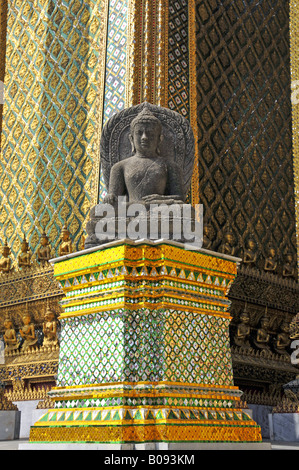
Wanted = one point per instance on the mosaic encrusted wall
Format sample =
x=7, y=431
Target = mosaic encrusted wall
x=114, y=88
x=51, y=123
x=3, y=20
x=244, y=119
x=145, y=345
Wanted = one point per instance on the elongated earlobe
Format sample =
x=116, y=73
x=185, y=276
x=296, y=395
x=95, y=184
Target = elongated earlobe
x=158, y=148
x=132, y=144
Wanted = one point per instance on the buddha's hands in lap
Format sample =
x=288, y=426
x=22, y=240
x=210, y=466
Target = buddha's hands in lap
x=159, y=199
x=110, y=199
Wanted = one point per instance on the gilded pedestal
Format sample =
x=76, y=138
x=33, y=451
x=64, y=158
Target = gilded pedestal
x=145, y=354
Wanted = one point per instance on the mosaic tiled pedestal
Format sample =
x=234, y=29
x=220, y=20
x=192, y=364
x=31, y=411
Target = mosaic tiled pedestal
x=145, y=354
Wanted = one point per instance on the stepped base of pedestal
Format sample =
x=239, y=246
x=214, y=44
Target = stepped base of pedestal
x=145, y=356
x=158, y=446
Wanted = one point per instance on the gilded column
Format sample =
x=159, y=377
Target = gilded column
x=3, y=20
x=148, y=59
x=294, y=38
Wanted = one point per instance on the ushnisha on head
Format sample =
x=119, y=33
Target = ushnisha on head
x=24, y=245
x=65, y=234
x=6, y=249
x=146, y=134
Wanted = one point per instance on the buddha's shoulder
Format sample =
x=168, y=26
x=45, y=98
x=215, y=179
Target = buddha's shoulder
x=123, y=163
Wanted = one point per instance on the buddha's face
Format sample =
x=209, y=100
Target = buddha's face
x=49, y=316
x=229, y=238
x=44, y=241
x=244, y=318
x=26, y=319
x=6, y=252
x=251, y=244
x=7, y=325
x=272, y=252
x=265, y=323
x=146, y=137
x=65, y=236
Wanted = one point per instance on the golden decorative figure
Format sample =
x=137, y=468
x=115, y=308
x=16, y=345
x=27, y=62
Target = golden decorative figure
x=289, y=269
x=27, y=332
x=243, y=331
x=294, y=327
x=5, y=403
x=283, y=339
x=207, y=235
x=263, y=337
x=44, y=250
x=50, y=328
x=249, y=256
x=271, y=261
x=10, y=336
x=227, y=247
x=5, y=262
x=65, y=247
x=24, y=259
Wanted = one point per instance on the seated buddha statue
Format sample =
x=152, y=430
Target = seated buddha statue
x=10, y=337
x=207, y=237
x=227, y=246
x=283, y=339
x=147, y=159
x=271, y=261
x=146, y=176
x=243, y=331
x=50, y=328
x=44, y=250
x=249, y=255
x=28, y=333
x=289, y=268
x=262, y=336
x=24, y=259
x=65, y=247
x=5, y=261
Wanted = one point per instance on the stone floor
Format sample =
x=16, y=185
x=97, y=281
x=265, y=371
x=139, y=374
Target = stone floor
x=13, y=445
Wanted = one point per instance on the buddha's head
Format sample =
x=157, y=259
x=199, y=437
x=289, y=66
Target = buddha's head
x=285, y=327
x=229, y=238
x=5, y=250
x=265, y=322
x=26, y=318
x=251, y=244
x=24, y=245
x=7, y=324
x=146, y=134
x=49, y=315
x=244, y=317
x=44, y=240
x=65, y=234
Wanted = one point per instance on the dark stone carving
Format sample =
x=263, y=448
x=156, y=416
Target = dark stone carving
x=147, y=157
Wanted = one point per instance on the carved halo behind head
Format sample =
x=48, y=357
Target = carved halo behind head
x=176, y=145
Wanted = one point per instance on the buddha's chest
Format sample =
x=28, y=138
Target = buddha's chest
x=144, y=171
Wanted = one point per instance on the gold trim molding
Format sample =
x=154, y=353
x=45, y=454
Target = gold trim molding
x=294, y=52
x=147, y=62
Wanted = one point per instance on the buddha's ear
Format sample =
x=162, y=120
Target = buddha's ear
x=159, y=143
x=132, y=143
